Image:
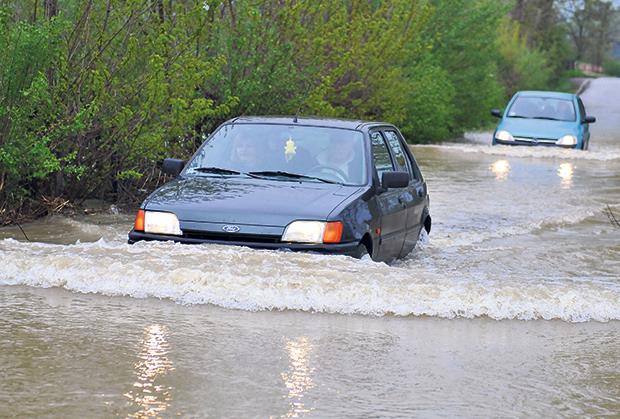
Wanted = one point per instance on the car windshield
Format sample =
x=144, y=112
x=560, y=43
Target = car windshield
x=542, y=108
x=283, y=152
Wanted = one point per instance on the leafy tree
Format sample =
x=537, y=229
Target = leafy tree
x=93, y=93
x=28, y=111
x=520, y=67
x=463, y=34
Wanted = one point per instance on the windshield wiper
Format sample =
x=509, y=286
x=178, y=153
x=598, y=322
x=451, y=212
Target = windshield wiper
x=547, y=117
x=216, y=170
x=518, y=116
x=279, y=173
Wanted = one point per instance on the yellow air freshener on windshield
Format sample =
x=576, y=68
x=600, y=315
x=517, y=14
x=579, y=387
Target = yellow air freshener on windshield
x=290, y=149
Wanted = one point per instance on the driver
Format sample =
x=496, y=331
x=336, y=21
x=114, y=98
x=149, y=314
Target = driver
x=340, y=157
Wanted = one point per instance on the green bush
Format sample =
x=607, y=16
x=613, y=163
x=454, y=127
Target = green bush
x=462, y=34
x=92, y=98
x=430, y=105
x=612, y=68
x=520, y=67
x=29, y=113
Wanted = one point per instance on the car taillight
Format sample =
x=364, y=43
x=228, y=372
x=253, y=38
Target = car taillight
x=139, y=224
x=333, y=232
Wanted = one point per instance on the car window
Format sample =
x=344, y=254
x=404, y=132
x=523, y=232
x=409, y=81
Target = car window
x=582, y=109
x=331, y=154
x=535, y=107
x=380, y=154
x=402, y=164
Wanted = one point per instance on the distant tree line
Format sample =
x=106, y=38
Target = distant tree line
x=94, y=92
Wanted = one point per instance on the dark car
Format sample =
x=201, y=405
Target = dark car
x=326, y=185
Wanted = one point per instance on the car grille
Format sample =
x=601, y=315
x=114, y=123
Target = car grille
x=536, y=140
x=243, y=238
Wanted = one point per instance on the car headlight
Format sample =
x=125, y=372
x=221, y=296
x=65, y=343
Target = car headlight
x=313, y=232
x=504, y=136
x=158, y=223
x=567, y=140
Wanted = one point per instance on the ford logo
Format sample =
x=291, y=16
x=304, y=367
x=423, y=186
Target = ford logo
x=230, y=228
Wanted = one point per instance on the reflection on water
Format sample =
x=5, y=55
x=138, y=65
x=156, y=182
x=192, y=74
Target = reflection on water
x=565, y=171
x=501, y=168
x=298, y=378
x=149, y=397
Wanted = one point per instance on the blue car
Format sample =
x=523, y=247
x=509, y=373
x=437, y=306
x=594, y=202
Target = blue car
x=544, y=118
x=316, y=184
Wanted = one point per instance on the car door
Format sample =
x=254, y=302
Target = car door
x=583, y=127
x=392, y=210
x=414, y=196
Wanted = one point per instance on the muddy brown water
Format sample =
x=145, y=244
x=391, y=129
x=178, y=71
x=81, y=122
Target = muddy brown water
x=510, y=308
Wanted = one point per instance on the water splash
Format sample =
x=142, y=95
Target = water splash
x=242, y=278
x=533, y=152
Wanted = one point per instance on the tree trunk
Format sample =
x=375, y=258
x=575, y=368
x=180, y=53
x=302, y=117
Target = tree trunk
x=51, y=8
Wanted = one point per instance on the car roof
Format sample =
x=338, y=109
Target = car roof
x=313, y=121
x=541, y=93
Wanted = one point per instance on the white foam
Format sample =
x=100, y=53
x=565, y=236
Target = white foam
x=475, y=235
x=533, y=152
x=246, y=279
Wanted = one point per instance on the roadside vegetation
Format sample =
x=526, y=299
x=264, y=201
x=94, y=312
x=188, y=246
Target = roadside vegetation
x=93, y=93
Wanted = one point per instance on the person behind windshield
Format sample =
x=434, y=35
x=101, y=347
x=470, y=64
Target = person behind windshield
x=525, y=108
x=565, y=111
x=339, y=159
x=246, y=153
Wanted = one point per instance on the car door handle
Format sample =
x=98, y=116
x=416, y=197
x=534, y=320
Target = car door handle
x=420, y=192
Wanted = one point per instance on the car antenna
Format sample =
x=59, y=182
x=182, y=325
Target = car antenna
x=309, y=87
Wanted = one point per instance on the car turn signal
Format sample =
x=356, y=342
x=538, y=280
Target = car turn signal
x=139, y=224
x=333, y=232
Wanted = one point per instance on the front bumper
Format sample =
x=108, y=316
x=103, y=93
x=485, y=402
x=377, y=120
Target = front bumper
x=340, y=248
x=534, y=143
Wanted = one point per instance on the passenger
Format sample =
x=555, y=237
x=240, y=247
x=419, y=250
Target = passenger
x=565, y=111
x=246, y=154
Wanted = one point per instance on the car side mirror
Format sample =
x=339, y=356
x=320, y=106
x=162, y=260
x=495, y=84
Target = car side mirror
x=589, y=120
x=172, y=166
x=496, y=112
x=394, y=180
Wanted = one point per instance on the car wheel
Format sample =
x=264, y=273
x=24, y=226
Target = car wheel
x=360, y=251
x=423, y=238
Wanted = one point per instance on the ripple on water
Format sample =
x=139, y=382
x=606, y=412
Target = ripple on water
x=534, y=152
x=242, y=278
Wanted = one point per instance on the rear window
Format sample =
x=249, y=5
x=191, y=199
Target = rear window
x=399, y=154
x=381, y=155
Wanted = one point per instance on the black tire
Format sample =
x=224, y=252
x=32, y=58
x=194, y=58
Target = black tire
x=360, y=251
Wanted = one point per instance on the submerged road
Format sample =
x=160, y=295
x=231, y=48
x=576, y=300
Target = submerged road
x=511, y=307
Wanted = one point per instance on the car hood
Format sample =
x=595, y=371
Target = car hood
x=538, y=128
x=246, y=201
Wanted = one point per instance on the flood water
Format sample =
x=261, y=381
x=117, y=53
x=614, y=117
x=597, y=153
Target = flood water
x=510, y=308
